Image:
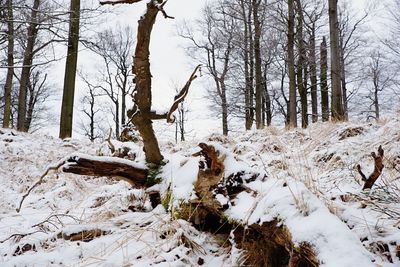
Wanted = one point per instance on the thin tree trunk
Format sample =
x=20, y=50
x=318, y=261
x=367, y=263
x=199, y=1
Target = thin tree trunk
x=224, y=110
x=248, y=85
x=324, y=81
x=336, y=100
x=343, y=85
x=313, y=76
x=258, y=67
x=267, y=99
x=117, y=119
x=27, y=65
x=67, y=107
x=10, y=63
x=301, y=68
x=292, y=74
x=251, y=63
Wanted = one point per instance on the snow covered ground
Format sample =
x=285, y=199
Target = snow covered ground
x=309, y=183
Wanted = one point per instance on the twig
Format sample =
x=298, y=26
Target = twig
x=40, y=180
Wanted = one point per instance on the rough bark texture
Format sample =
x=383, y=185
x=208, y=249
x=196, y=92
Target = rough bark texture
x=258, y=67
x=313, y=75
x=67, y=107
x=142, y=98
x=246, y=63
x=336, y=100
x=324, y=81
x=301, y=67
x=292, y=74
x=378, y=158
x=10, y=64
x=32, y=32
x=109, y=167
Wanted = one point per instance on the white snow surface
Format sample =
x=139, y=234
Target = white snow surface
x=307, y=181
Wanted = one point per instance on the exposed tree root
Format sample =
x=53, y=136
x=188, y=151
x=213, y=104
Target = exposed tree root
x=377, y=169
x=269, y=244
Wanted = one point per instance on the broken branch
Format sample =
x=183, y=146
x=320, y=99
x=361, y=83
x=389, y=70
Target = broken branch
x=180, y=97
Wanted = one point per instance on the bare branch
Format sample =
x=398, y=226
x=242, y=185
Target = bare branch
x=180, y=97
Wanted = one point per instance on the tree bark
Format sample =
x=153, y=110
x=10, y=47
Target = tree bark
x=142, y=98
x=258, y=67
x=10, y=63
x=292, y=74
x=246, y=63
x=324, y=80
x=107, y=166
x=67, y=107
x=313, y=76
x=27, y=65
x=301, y=67
x=336, y=98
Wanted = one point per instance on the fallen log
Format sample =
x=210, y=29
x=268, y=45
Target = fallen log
x=120, y=169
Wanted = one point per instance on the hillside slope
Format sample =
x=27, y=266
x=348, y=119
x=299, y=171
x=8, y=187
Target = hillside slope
x=307, y=182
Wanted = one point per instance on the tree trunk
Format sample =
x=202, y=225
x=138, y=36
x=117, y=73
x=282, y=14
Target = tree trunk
x=27, y=65
x=343, y=84
x=301, y=68
x=313, y=76
x=117, y=119
x=246, y=63
x=258, y=67
x=224, y=110
x=324, y=81
x=67, y=107
x=142, y=98
x=10, y=63
x=267, y=99
x=292, y=74
x=251, y=63
x=336, y=98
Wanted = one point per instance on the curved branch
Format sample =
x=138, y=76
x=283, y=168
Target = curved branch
x=180, y=97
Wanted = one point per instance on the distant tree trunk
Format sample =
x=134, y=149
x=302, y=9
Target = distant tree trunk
x=27, y=65
x=258, y=67
x=343, y=83
x=267, y=99
x=117, y=126
x=313, y=75
x=10, y=63
x=292, y=74
x=251, y=62
x=70, y=72
x=301, y=68
x=224, y=110
x=246, y=63
x=324, y=80
x=336, y=100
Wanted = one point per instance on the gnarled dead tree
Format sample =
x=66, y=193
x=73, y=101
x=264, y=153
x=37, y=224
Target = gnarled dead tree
x=378, y=158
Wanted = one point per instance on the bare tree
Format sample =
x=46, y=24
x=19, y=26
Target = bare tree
x=115, y=49
x=336, y=100
x=291, y=67
x=67, y=106
x=214, y=50
x=10, y=63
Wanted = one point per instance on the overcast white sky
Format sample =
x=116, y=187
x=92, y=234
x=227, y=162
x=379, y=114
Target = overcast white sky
x=169, y=63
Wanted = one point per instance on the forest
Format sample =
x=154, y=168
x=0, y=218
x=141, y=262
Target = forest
x=300, y=167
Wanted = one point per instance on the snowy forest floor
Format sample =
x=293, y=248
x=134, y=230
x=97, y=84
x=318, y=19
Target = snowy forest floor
x=308, y=182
